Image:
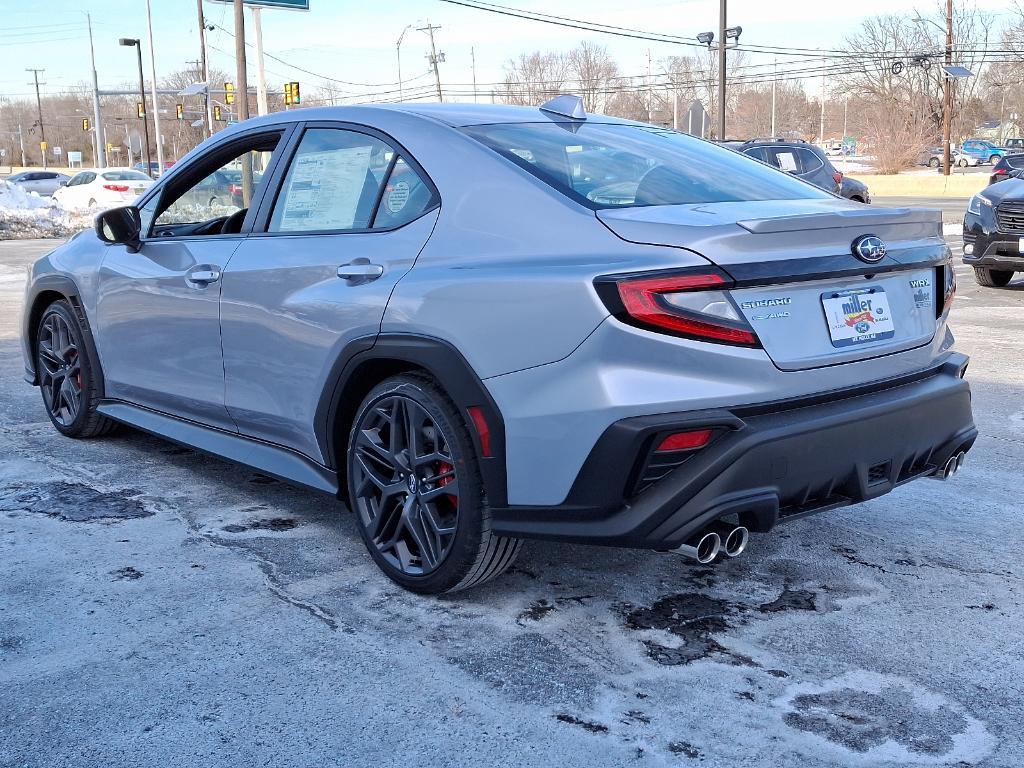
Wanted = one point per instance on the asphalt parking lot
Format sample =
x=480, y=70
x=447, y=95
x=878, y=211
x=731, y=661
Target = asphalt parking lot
x=159, y=607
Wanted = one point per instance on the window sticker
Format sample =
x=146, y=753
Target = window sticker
x=397, y=197
x=324, y=189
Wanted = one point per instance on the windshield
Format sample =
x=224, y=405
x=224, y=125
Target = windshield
x=605, y=165
x=125, y=176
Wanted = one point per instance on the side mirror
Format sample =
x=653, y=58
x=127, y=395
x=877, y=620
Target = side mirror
x=122, y=226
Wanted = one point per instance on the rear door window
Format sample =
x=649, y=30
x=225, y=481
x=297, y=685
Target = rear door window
x=332, y=183
x=406, y=197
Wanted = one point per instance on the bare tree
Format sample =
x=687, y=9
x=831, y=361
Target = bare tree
x=534, y=78
x=593, y=68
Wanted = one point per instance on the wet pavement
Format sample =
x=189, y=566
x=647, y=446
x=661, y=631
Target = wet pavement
x=160, y=607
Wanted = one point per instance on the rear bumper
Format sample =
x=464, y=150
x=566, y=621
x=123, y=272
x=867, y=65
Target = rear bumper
x=768, y=463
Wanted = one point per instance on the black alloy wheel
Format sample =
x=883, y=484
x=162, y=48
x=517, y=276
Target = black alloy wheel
x=60, y=370
x=406, y=485
x=415, y=486
x=66, y=377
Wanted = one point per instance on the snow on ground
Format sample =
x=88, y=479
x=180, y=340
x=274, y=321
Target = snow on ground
x=27, y=215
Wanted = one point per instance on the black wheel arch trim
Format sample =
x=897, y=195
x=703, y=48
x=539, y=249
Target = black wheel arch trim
x=390, y=353
x=36, y=304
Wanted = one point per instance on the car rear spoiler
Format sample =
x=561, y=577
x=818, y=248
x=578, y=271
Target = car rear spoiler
x=863, y=220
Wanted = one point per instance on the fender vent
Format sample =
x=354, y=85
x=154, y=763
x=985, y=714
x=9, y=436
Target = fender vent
x=879, y=473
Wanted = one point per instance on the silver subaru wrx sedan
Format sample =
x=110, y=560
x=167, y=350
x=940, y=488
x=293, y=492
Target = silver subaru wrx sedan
x=481, y=324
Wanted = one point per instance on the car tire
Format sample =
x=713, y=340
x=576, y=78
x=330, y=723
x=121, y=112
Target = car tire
x=92, y=203
x=993, y=278
x=934, y=162
x=67, y=381
x=424, y=538
x=213, y=201
x=962, y=162
x=993, y=159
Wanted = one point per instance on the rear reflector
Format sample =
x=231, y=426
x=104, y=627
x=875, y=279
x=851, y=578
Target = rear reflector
x=694, y=305
x=482, y=430
x=684, y=441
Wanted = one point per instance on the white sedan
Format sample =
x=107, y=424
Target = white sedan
x=102, y=188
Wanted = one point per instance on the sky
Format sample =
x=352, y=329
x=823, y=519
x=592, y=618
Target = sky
x=356, y=41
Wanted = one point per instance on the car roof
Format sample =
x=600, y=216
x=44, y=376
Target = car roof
x=453, y=114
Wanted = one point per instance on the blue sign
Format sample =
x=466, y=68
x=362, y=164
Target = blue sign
x=295, y=5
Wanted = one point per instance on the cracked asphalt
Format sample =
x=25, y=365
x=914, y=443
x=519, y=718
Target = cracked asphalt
x=160, y=607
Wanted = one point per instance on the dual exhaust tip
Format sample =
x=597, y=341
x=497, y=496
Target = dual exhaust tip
x=717, y=538
x=953, y=465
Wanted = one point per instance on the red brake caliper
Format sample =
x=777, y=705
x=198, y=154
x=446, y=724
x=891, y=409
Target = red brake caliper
x=443, y=468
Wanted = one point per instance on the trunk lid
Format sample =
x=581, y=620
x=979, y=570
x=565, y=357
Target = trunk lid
x=809, y=299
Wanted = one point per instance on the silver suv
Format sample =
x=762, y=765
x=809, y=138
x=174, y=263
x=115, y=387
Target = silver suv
x=479, y=324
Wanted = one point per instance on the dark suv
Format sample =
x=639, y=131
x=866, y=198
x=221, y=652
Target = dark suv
x=808, y=162
x=1008, y=167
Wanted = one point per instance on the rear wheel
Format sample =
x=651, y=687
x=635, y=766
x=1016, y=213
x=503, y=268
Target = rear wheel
x=992, y=278
x=66, y=378
x=934, y=162
x=993, y=159
x=415, y=486
x=962, y=162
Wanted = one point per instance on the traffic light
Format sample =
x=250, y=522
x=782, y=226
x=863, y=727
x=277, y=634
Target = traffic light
x=291, y=94
x=216, y=112
x=179, y=111
x=141, y=106
x=229, y=93
x=85, y=123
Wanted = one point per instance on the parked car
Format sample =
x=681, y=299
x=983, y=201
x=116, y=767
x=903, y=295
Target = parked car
x=1010, y=166
x=807, y=162
x=982, y=150
x=222, y=187
x=833, y=148
x=43, y=183
x=994, y=233
x=1014, y=145
x=102, y=187
x=472, y=351
x=932, y=157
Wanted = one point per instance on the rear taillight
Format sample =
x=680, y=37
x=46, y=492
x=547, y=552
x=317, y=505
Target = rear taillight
x=694, y=305
x=116, y=187
x=837, y=177
x=234, y=189
x=948, y=287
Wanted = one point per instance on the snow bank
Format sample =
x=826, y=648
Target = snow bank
x=27, y=215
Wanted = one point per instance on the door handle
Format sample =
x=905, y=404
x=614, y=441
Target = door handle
x=361, y=270
x=203, y=276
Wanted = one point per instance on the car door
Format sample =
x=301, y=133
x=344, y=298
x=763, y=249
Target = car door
x=352, y=212
x=158, y=312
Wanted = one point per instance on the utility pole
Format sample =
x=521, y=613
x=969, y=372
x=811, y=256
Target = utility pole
x=472, y=60
x=433, y=58
x=152, y=84
x=650, y=92
x=261, y=77
x=775, y=77
x=821, y=125
x=206, y=68
x=947, y=92
x=100, y=140
x=21, y=143
x=721, y=70
x=242, y=88
x=39, y=107
x=129, y=42
x=398, y=53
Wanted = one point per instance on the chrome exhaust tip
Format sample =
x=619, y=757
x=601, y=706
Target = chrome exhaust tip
x=736, y=542
x=951, y=467
x=702, y=547
x=734, y=537
x=960, y=457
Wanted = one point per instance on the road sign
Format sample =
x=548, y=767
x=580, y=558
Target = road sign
x=74, y=156
x=43, y=146
x=294, y=5
x=3, y=153
x=57, y=151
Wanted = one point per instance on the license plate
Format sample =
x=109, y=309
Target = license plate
x=857, y=316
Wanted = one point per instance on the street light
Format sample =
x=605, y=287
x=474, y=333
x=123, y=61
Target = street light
x=137, y=44
x=398, y=53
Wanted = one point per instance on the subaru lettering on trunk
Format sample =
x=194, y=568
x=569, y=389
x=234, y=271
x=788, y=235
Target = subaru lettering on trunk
x=480, y=324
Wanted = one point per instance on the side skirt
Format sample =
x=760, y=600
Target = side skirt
x=274, y=460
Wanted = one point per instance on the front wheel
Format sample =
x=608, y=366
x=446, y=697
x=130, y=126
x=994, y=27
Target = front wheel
x=993, y=278
x=993, y=159
x=414, y=484
x=66, y=377
x=962, y=162
x=934, y=162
